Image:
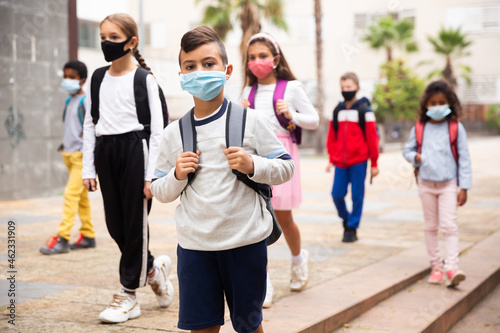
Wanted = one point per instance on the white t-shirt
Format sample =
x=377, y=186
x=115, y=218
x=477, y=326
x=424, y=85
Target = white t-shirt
x=303, y=112
x=118, y=115
x=217, y=211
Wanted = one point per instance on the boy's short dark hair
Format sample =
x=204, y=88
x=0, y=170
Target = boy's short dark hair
x=200, y=36
x=77, y=66
x=350, y=76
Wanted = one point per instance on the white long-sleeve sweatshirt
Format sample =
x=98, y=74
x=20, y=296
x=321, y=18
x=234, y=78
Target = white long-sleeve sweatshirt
x=217, y=211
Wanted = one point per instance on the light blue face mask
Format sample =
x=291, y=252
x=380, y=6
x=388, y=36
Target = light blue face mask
x=204, y=85
x=71, y=86
x=438, y=112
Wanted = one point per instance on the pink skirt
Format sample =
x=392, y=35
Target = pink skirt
x=288, y=195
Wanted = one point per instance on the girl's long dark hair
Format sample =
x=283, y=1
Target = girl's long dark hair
x=282, y=71
x=440, y=86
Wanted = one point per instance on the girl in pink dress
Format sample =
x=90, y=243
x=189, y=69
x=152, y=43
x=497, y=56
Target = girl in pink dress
x=272, y=90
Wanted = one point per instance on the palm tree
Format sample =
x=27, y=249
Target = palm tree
x=318, y=13
x=389, y=34
x=451, y=43
x=219, y=17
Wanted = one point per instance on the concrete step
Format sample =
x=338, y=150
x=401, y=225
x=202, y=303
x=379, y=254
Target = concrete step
x=423, y=307
x=484, y=317
x=327, y=306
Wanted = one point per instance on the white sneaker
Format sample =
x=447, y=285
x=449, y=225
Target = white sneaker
x=162, y=286
x=300, y=273
x=122, y=308
x=268, y=301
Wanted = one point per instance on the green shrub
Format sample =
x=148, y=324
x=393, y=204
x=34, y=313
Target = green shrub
x=397, y=96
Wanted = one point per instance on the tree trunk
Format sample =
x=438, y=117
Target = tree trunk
x=320, y=142
x=389, y=54
x=448, y=73
x=250, y=25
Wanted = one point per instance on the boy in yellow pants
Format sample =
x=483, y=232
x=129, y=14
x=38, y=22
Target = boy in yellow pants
x=75, y=194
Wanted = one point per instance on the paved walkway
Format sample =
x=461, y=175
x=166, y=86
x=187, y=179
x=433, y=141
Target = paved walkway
x=65, y=293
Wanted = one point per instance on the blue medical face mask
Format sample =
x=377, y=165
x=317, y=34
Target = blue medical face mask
x=70, y=85
x=204, y=85
x=438, y=112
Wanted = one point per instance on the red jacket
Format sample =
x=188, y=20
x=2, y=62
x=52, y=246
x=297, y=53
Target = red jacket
x=350, y=146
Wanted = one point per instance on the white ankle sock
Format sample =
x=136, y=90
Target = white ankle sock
x=128, y=292
x=155, y=277
x=296, y=260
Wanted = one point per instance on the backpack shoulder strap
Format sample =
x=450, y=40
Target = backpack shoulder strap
x=95, y=85
x=188, y=135
x=141, y=98
x=419, y=135
x=335, y=119
x=235, y=125
x=235, y=131
x=164, y=107
x=453, y=130
x=279, y=91
x=81, y=110
x=362, y=117
x=65, y=107
x=251, y=96
x=188, y=132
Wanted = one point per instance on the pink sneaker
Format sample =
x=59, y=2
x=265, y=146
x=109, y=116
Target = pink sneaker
x=454, y=278
x=436, y=276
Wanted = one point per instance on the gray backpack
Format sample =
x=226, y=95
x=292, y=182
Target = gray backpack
x=235, y=131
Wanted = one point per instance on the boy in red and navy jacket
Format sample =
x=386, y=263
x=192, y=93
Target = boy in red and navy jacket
x=352, y=139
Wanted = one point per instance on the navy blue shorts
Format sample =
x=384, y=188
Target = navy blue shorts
x=206, y=276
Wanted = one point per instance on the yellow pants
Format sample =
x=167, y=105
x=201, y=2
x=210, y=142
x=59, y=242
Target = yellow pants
x=75, y=199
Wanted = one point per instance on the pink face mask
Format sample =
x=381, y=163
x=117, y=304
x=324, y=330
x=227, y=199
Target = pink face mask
x=261, y=67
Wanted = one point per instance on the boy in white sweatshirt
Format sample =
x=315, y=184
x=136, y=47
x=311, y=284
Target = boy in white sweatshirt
x=222, y=224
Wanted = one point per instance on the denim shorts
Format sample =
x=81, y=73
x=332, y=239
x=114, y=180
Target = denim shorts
x=205, y=277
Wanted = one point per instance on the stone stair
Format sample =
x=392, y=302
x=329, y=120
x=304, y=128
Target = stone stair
x=389, y=296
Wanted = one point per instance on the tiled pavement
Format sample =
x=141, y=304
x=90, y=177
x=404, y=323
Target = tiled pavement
x=65, y=293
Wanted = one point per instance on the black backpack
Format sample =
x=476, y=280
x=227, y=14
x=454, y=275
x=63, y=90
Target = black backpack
x=361, y=117
x=235, y=131
x=140, y=95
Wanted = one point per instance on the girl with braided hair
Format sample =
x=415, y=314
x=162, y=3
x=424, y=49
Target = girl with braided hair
x=122, y=150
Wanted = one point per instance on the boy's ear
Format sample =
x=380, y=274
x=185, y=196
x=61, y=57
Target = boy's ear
x=229, y=71
x=82, y=81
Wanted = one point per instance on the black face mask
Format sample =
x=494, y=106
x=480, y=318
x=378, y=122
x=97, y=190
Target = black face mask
x=349, y=95
x=113, y=51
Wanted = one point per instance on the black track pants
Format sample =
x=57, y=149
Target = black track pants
x=119, y=161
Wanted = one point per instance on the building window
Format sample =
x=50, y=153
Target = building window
x=482, y=90
x=301, y=30
x=89, y=34
x=477, y=19
x=363, y=20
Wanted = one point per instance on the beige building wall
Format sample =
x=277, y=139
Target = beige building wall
x=344, y=51
x=343, y=24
